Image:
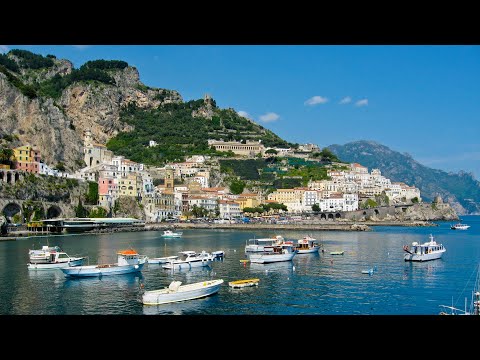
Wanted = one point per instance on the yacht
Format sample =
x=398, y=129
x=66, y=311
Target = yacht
x=189, y=259
x=459, y=226
x=258, y=245
x=429, y=250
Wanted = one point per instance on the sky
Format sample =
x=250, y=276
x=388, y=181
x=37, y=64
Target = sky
x=423, y=100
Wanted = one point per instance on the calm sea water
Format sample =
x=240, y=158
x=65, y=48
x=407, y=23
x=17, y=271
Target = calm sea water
x=312, y=284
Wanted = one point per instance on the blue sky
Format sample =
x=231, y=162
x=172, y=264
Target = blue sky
x=419, y=99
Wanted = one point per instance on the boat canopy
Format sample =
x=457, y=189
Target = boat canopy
x=127, y=252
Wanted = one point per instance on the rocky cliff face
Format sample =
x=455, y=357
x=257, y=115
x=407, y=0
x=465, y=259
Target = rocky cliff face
x=56, y=127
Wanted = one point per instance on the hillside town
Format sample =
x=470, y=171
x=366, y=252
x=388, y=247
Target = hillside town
x=185, y=190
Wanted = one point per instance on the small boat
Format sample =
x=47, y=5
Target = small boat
x=284, y=252
x=429, y=250
x=369, y=271
x=162, y=260
x=129, y=261
x=177, y=292
x=52, y=257
x=171, y=234
x=459, y=226
x=220, y=254
x=189, y=259
x=337, y=252
x=238, y=284
x=307, y=245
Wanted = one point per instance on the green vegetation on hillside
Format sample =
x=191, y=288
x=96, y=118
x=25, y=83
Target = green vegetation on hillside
x=25, y=89
x=30, y=60
x=105, y=64
x=8, y=63
x=179, y=134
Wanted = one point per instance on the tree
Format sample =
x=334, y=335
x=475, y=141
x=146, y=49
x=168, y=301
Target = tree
x=237, y=186
x=315, y=208
x=271, y=151
x=415, y=200
x=80, y=211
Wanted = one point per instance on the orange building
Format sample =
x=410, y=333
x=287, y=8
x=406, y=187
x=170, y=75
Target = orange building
x=27, y=159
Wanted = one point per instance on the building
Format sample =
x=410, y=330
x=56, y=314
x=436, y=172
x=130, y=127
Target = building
x=27, y=159
x=249, y=148
x=229, y=209
x=95, y=154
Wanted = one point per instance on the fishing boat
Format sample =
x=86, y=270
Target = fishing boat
x=429, y=250
x=459, y=226
x=258, y=245
x=238, y=284
x=171, y=234
x=337, y=252
x=189, y=259
x=307, y=245
x=177, y=292
x=128, y=261
x=52, y=257
x=161, y=260
x=276, y=253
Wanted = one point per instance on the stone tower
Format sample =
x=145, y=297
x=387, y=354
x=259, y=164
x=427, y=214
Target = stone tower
x=87, y=138
x=169, y=180
x=207, y=99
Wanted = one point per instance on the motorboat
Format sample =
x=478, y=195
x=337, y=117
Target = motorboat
x=429, y=250
x=128, y=261
x=276, y=253
x=459, y=226
x=52, y=257
x=189, y=259
x=238, y=284
x=307, y=245
x=177, y=292
x=162, y=260
x=172, y=234
x=258, y=245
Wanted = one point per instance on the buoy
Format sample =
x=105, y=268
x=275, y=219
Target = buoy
x=293, y=268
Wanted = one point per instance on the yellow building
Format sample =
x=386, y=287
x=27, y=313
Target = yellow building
x=247, y=201
x=129, y=185
x=27, y=159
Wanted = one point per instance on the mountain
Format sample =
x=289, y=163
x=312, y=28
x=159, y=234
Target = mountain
x=461, y=190
x=47, y=103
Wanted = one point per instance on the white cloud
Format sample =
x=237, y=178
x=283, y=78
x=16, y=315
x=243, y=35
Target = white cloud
x=363, y=102
x=244, y=114
x=345, y=100
x=81, y=47
x=314, y=100
x=269, y=117
x=3, y=48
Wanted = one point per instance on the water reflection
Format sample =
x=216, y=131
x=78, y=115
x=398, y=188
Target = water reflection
x=188, y=307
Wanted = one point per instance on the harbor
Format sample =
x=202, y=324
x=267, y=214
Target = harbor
x=310, y=284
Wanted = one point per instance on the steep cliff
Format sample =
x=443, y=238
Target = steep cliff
x=30, y=110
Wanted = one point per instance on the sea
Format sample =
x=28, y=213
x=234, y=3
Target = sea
x=310, y=284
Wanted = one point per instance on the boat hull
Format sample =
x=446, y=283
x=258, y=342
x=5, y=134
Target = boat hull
x=187, y=264
x=243, y=283
x=58, y=265
x=162, y=260
x=184, y=293
x=308, y=251
x=423, y=257
x=96, y=271
x=269, y=258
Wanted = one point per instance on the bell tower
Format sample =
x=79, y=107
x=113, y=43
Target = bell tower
x=169, y=179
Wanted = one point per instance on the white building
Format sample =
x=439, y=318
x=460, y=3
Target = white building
x=229, y=209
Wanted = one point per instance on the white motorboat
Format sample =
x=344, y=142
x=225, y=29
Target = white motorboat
x=52, y=257
x=459, y=226
x=177, y=292
x=307, y=245
x=219, y=254
x=429, y=250
x=258, y=245
x=172, y=234
x=189, y=259
x=162, y=260
x=129, y=261
x=276, y=253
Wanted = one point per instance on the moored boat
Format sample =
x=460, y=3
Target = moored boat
x=177, y=292
x=172, y=234
x=276, y=253
x=307, y=245
x=128, y=261
x=337, y=252
x=258, y=245
x=188, y=260
x=238, y=284
x=429, y=250
x=52, y=257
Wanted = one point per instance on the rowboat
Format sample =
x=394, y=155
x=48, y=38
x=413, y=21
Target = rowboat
x=178, y=292
x=237, y=284
x=337, y=252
